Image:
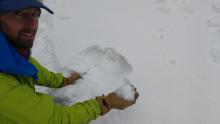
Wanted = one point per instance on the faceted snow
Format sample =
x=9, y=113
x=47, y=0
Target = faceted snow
x=103, y=71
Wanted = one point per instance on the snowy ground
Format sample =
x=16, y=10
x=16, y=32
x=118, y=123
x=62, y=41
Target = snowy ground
x=172, y=45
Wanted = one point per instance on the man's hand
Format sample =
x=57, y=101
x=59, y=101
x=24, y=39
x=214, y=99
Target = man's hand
x=71, y=80
x=113, y=101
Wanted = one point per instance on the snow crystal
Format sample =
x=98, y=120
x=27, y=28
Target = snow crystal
x=103, y=71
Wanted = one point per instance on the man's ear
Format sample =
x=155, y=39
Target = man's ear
x=1, y=16
x=0, y=24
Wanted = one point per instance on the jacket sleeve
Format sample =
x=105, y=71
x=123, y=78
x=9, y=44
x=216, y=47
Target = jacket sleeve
x=19, y=104
x=46, y=77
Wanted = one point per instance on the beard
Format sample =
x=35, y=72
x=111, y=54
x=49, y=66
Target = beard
x=21, y=41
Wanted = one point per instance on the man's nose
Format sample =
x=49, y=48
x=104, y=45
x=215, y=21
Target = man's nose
x=31, y=22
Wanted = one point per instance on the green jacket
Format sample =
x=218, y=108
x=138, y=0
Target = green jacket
x=20, y=104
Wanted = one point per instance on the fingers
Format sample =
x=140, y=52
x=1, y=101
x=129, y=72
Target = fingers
x=77, y=75
x=136, y=95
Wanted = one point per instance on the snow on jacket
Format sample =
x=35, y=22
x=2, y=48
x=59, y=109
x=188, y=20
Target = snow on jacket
x=20, y=104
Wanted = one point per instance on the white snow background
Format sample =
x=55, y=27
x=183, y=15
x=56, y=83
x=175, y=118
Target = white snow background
x=173, y=47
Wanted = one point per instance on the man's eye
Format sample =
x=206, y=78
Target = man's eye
x=19, y=13
x=36, y=14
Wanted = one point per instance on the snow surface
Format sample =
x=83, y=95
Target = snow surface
x=172, y=45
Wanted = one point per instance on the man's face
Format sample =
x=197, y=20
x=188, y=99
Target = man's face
x=20, y=27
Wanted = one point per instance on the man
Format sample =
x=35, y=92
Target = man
x=19, y=72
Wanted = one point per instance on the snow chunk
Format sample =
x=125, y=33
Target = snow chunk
x=127, y=91
x=103, y=71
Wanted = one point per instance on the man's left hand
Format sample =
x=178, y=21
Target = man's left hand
x=71, y=80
